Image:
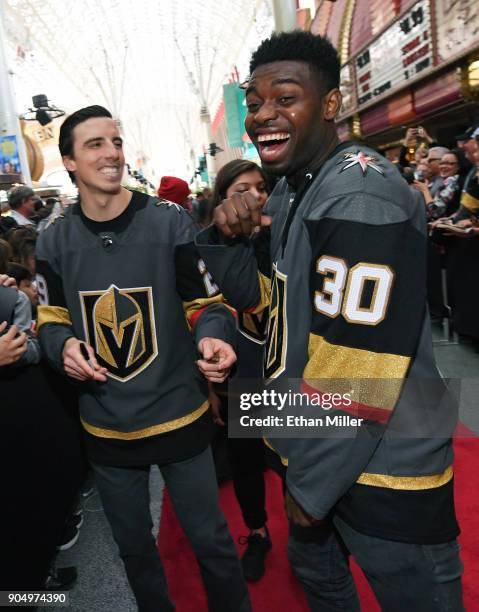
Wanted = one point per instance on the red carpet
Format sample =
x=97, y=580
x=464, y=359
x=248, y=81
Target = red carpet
x=279, y=590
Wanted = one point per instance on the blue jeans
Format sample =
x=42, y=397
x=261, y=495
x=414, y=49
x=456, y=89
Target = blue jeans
x=412, y=577
x=404, y=577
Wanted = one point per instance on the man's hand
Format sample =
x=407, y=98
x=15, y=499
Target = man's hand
x=7, y=281
x=12, y=344
x=240, y=215
x=218, y=357
x=75, y=364
x=296, y=514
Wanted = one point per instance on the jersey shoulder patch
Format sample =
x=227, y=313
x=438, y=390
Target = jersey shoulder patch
x=161, y=202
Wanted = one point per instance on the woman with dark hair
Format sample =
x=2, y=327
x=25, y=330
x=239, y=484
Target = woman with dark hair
x=239, y=176
x=453, y=169
x=246, y=455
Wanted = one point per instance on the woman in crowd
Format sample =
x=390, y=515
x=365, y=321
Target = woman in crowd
x=246, y=456
x=453, y=169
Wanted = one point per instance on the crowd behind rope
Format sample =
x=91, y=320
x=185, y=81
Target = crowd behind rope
x=447, y=183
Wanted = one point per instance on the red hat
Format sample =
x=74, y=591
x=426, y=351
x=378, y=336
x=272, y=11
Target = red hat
x=173, y=189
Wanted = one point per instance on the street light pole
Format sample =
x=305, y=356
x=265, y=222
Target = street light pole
x=9, y=122
x=208, y=132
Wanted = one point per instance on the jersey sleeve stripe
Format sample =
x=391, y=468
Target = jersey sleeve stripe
x=53, y=314
x=194, y=308
x=327, y=360
x=470, y=202
x=355, y=409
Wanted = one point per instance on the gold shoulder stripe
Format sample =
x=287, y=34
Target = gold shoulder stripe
x=148, y=431
x=53, y=314
x=284, y=460
x=406, y=483
x=470, y=202
x=335, y=362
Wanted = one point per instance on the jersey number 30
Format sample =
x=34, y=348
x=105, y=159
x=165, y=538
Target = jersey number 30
x=361, y=294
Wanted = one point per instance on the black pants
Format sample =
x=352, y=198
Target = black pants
x=246, y=458
x=192, y=487
x=247, y=464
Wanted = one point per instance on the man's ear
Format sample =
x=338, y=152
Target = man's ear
x=69, y=163
x=332, y=104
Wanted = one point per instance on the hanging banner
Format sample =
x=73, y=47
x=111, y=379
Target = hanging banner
x=401, y=53
x=457, y=27
x=9, y=159
x=235, y=110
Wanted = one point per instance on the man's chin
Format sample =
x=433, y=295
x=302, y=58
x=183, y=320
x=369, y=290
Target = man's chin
x=111, y=189
x=277, y=168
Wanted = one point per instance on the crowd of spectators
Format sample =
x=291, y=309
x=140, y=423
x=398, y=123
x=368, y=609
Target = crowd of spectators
x=41, y=441
x=448, y=181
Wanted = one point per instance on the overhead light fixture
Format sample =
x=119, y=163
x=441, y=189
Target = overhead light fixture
x=42, y=111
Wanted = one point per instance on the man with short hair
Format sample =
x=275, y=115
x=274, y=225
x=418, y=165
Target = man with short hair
x=117, y=272
x=342, y=267
x=433, y=159
x=22, y=201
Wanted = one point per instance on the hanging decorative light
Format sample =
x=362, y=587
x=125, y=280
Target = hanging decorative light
x=42, y=111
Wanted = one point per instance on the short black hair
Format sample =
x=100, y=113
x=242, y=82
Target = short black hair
x=227, y=175
x=300, y=46
x=19, y=272
x=65, y=139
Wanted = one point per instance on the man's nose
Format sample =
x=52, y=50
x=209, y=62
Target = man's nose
x=266, y=113
x=113, y=151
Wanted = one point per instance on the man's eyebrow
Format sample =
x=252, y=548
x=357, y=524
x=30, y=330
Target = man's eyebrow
x=279, y=81
x=92, y=140
x=282, y=80
x=101, y=139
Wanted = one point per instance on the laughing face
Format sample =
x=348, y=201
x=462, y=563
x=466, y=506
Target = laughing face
x=97, y=159
x=289, y=121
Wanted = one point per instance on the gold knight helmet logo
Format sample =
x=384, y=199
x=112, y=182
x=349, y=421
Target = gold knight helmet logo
x=119, y=324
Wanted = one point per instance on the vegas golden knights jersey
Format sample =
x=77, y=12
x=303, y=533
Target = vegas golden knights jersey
x=342, y=274
x=134, y=289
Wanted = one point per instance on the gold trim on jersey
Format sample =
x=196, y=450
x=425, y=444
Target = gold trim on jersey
x=335, y=362
x=147, y=431
x=406, y=483
x=265, y=291
x=470, y=202
x=283, y=460
x=53, y=314
x=194, y=306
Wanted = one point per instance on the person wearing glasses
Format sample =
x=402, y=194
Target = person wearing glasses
x=453, y=168
x=434, y=157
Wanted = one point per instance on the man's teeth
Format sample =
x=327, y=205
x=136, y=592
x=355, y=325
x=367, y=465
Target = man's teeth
x=277, y=136
x=110, y=171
